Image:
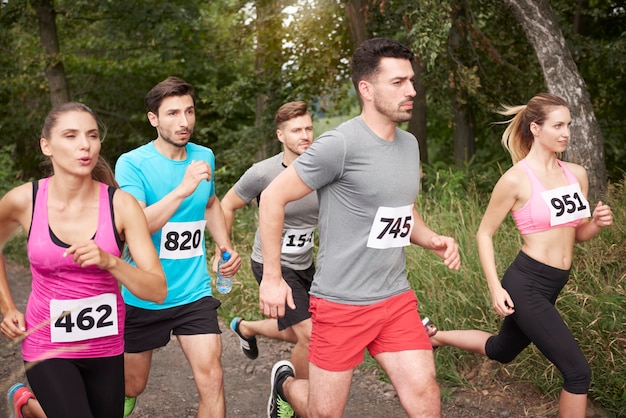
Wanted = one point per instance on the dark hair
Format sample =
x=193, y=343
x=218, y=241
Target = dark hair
x=366, y=58
x=53, y=116
x=289, y=111
x=517, y=137
x=171, y=86
x=102, y=171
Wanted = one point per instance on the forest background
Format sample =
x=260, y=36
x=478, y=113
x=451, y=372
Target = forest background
x=246, y=58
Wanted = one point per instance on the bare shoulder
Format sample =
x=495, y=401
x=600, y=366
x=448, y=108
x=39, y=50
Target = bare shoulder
x=19, y=198
x=16, y=208
x=514, y=178
x=577, y=170
x=124, y=201
x=513, y=188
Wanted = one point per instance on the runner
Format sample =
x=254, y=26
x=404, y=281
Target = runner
x=172, y=180
x=294, y=129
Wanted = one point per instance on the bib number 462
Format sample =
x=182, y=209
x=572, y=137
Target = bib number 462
x=83, y=319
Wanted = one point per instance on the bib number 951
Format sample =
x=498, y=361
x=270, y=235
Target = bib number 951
x=566, y=204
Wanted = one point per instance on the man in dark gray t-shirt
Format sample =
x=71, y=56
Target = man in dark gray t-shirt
x=366, y=173
x=294, y=129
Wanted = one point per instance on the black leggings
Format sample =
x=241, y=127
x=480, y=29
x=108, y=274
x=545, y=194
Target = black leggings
x=79, y=388
x=534, y=287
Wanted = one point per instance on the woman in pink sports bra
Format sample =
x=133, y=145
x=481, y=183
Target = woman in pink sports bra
x=547, y=199
x=72, y=332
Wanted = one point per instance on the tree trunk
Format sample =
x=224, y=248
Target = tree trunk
x=356, y=12
x=417, y=124
x=563, y=79
x=463, y=117
x=464, y=132
x=267, y=69
x=55, y=72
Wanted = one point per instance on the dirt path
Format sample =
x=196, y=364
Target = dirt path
x=171, y=391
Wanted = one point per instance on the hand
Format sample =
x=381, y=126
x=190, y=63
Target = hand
x=13, y=324
x=602, y=215
x=232, y=266
x=88, y=253
x=195, y=173
x=448, y=250
x=272, y=297
x=502, y=302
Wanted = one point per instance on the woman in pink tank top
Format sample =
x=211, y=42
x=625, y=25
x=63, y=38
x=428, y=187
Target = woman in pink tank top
x=548, y=201
x=77, y=227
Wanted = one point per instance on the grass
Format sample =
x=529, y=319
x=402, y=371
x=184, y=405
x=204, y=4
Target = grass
x=593, y=303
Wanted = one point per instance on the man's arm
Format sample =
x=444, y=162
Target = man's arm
x=444, y=247
x=216, y=226
x=231, y=202
x=274, y=291
x=159, y=213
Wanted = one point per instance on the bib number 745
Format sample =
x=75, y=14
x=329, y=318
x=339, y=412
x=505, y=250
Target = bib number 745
x=391, y=227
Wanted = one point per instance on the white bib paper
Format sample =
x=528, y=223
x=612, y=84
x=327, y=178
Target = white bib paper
x=391, y=227
x=566, y=204
x=181, y=240
x=83, y=319
x=298, y=241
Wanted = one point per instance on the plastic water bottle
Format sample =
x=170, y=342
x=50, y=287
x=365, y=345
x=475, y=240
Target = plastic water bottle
x=224, y=284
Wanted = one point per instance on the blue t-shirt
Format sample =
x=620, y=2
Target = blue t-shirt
x=149, y=176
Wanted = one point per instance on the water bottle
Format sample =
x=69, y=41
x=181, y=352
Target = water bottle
x=224, y=284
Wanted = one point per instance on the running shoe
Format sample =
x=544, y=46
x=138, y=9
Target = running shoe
x=248, y=345
x=276, y=406
x=17, y=396
x=431, y=329
x=129, y=405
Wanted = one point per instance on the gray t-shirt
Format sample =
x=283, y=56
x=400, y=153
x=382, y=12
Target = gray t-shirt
x=366, y=188
x=300, y=215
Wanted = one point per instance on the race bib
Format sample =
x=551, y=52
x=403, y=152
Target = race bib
x=298, y=241
x=566, y=204
x=181, y=240
x=391, y=227
x=83, y=319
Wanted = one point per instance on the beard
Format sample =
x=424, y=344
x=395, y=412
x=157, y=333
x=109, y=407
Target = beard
x=180, y=144
x=395, y=114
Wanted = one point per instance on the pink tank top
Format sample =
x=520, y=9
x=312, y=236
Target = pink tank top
x=93, y=324
x=545, y=209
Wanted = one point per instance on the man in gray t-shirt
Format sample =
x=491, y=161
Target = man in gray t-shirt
x=366, y=174
x=294, y=129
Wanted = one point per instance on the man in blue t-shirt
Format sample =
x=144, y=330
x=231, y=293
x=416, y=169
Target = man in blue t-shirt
x=172, y=180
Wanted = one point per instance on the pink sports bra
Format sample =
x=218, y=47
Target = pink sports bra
x=546, y=209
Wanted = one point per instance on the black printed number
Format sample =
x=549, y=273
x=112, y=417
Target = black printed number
x=396, y=227
x=299, y=240
x=186, y=240
x=85, y=320
x=568, y=203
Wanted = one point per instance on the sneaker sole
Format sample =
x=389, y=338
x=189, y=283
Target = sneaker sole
x=273, y=382
x=243, y=342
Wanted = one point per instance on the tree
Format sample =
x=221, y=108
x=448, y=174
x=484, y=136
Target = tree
x=562, y=78
x=55, y=72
